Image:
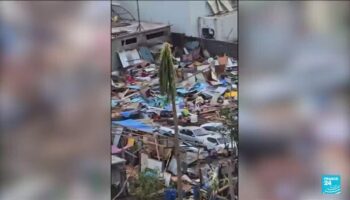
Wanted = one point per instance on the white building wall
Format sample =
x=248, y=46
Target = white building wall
x=182, y=15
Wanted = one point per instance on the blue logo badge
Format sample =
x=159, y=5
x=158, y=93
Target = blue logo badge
x=331, y=184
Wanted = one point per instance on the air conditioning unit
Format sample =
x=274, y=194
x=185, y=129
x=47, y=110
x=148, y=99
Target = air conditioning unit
x=221, y=27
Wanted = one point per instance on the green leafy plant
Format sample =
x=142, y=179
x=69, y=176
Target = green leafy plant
x=215, y=183
x=147, y=185
x=231, y=123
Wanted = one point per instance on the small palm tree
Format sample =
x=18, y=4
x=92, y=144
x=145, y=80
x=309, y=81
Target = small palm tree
x=168, y=87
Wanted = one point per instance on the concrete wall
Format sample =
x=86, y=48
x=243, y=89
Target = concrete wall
x=182, y=15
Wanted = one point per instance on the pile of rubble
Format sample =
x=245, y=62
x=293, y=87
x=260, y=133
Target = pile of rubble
x=142, y=120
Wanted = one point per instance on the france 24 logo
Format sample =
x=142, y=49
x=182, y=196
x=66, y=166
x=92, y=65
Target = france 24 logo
x=331, y=184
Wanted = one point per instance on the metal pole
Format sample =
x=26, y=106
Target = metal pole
x=139, y=27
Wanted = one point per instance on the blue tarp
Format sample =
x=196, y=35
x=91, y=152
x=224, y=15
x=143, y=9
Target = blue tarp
x=127, y=114
x=135, y=124
x=182, y=91
x=198, y=87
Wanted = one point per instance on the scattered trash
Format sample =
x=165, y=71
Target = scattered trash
x=143, y=125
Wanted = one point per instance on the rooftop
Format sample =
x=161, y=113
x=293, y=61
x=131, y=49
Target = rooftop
x=127, y=27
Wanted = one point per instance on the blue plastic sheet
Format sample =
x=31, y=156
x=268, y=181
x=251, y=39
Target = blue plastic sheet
x=223, y=81
x=127, y=114
x=199, y=87
x=134, y=124
x=182, y=91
